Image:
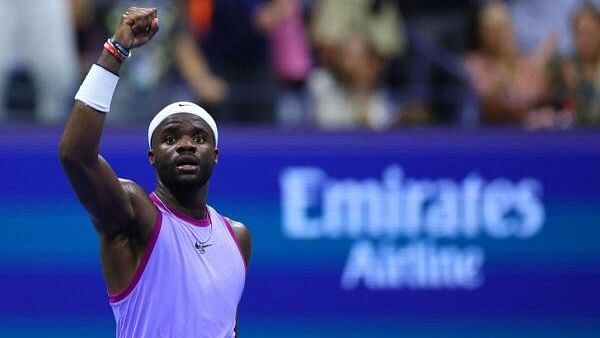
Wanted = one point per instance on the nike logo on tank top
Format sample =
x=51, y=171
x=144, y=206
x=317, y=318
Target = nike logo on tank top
x=189, y=282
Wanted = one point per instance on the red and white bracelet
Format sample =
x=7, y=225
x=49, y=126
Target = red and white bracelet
x=117, y=50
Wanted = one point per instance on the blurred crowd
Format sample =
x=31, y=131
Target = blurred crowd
x=328, y=64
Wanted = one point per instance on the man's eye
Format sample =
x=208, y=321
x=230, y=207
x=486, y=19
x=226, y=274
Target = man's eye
x=199, y=138
x=169, y=140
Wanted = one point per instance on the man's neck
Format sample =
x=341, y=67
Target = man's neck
x=189, y=202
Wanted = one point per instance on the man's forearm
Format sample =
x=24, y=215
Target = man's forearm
x=82, y=133
x=109, y=62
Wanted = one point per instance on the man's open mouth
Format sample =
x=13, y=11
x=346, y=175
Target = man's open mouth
x=187, y=163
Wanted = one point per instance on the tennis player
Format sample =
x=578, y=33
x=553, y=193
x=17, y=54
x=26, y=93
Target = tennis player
x=173, y=266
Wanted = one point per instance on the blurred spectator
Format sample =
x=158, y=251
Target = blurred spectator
x=512, y=86
x=283, y=22
x=581, y=71
x=433, y=83
x=39, y=62
x=90, y=32
x=535, y=20
x=355, y=40
x=223, y=58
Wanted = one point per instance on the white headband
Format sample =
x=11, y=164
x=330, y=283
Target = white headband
x=182, y=107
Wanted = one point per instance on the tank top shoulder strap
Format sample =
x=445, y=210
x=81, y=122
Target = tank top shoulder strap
x=157, y=202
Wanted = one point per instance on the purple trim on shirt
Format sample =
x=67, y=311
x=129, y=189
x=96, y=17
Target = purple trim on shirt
x=140, y=270
x=237, y=242
x=193, y=221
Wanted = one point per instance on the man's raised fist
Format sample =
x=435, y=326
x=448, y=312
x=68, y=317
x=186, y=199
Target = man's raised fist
x=136, y=27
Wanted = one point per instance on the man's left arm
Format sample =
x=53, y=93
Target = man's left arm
x=245, y=241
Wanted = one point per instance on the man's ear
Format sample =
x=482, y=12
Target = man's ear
x=216, y=155
x=151, y=157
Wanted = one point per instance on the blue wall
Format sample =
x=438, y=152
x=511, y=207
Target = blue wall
x=410, y=234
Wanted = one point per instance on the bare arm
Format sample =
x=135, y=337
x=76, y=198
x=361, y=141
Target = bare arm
x=245, y=241
x=111, y=204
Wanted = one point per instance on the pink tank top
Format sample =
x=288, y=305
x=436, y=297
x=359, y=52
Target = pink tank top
x=189, y=282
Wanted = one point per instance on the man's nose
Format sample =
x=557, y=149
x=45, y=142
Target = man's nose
x=186, y=143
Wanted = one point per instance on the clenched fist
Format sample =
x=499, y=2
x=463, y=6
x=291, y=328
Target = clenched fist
x=137, y=27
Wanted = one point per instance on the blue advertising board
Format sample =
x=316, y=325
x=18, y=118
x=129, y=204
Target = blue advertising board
x=416, y=233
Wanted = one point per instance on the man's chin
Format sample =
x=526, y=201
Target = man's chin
x=188, y=180
x=178, y=179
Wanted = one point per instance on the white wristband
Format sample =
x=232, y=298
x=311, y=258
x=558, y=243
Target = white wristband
x=97, y=89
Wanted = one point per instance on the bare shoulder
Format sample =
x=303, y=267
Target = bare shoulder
x=242, y=234
x=136, y=194
x=237, y=225
x=241, y=231
x=131, y=187
x=144, y=210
